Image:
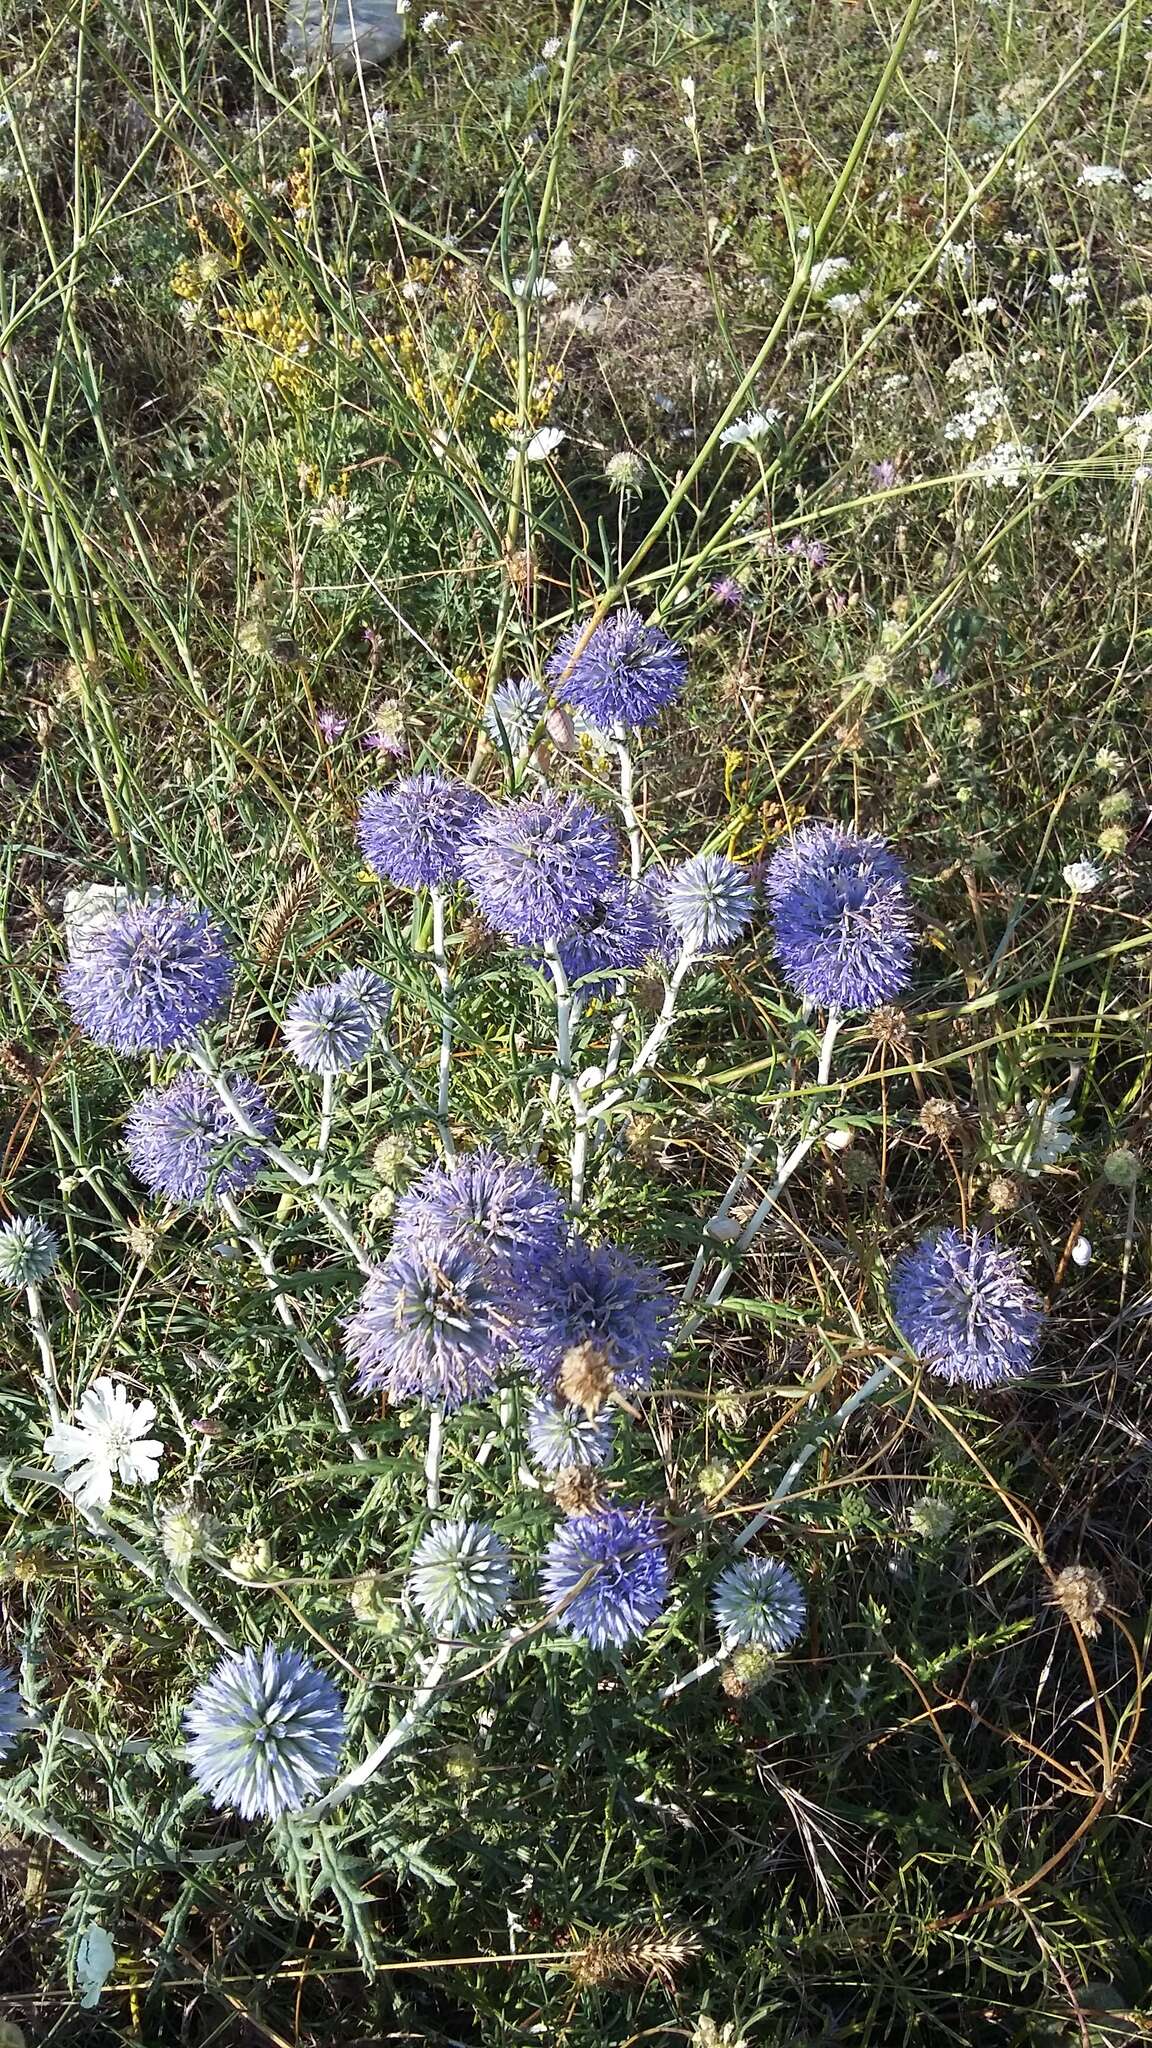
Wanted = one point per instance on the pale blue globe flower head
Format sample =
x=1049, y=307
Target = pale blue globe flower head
x=537, y=866
x=761, y=1603
x=625, y=673
x=265, y=1732
x=709, y=901
x=625, y=928
x=370, y=990
x=560, y=1436
x=330, y=1029
x=184, y=1144
x=461, y=1577
x=149, y=979
x=500, y=1210
x=595, y=1295
x=414, y=832
x=842, y=919
x=28, y=1251
x=608, y=1575
x=514, y=715
x=13, y=1719
x=967, y=1308
x=430, y=1327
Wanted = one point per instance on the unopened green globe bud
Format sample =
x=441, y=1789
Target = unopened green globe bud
x=712, y=1479
x=388, y=1158
x=625, y=470
x=185, y=1533
x=373, y=1606
x=11, y=2036
x=28, y=1252
x=1123, y=1167
x=930, y=1519
x=462, y=1764
x=253, y=1560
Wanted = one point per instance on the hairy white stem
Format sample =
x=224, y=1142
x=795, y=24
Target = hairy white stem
x=656, y=1037
x=628, y=800
x=448, y=1025
x=328, y=1378
x=418, y=1706
x=433, y=1454
x=39, y=1324
x=205, y=1060
x=565, y=1071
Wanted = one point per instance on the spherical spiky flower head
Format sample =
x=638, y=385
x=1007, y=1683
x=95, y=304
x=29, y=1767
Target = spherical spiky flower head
x=709, y=900
x=500, y=1210
x=625, y=928
x=595, y=1296
x=625, y=673
x=414, y=832
x=609, y=1575
x=966, y=1308
x=515, y=713
x=563, y=1436
x=183, y=1143
x=535, y=867
x=28, y=1252
x=429, y=1327
x=759, y=1602
x=841, y=917
x=13, y=1719
x=148, y=979
x=370, y=990
x=330, y=1029
x=264, y=1732
x=461, y=1577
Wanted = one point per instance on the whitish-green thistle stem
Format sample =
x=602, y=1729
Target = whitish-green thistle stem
x=448, y=1024
x=565, y=1071
x=329, y=1380
x=434, y=1453
x=39, y=1325
x=628, y=800
x=418, y=1706
x=203, y=1058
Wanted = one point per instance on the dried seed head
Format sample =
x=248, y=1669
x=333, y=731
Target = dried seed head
x=889, y=1026
x=576, y=1490
x=1082, y=1595
x=586, y=1378
x=477, y=939
x=638, y=1953
x=746, y=1671
x=19, y=1064
x=520, y=568
x=1004, y=1194
x=942, y=1119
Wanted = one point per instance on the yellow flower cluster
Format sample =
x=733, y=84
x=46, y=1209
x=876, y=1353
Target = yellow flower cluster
x=284, y=339
x=540, y=402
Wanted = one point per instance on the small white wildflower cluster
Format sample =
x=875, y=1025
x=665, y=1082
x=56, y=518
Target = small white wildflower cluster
x=1003, y=466
x=1070, y=285
x=1097, y=175
x=985, y=406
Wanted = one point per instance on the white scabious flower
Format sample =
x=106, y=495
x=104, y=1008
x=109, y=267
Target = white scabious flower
x=630, y=158
x=1082, y=876
x=461, y=1577
x=540, y=445
x=536, y=288
x=106, y=1442
x=1049, y=1140
x=751, y=430
x=822, y=274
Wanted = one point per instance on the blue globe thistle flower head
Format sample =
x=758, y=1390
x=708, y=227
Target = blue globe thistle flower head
x=430, y=1327
x=608, y=1573
x=500, y=1210
x=537, y=866
x=709, y=901
x=330, y=1029
x=370, y=990
x=967, y=1308
x=28, y=1251
x=560, y=1436
x=13, y=1719
x=841, y=918
x=761, y=1603
x=265, y=1732
x=624, y=675
x=414, y=832
x=624, y=929
x=148, y=979
x=515, y=712
x=183, y=1143
x=461, y=1577
x=595, y=1295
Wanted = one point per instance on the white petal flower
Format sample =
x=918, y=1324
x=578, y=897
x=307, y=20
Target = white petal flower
x=751, y=430
x=1050, y=1140
x=106, y=1442
x=1082, y=876
x=534, y=288
x=543, y=443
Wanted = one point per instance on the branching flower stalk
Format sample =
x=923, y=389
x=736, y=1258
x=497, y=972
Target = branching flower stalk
x=448, y=1024
x=329, y=1380
x=568, y=1076
x=418, y=1706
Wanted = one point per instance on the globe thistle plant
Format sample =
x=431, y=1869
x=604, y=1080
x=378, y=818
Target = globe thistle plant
x=499, y=1209
x=370, y=990
x=623, y=675
x=148, y=979
x=608, y=1575
x=182, y=1142
x=561, y=1436
x=597, y=1296
x=461, y=1577
x=413, y=833
x=624, y=928
x=264, y=1732
x=537, y=866
x=330, y=1029
x=28, y=1251
x=515, y=713
x=841, y=918
x=13, y=1719
x=709, y=901
x=967, y=1308
x=759, y=1602
x=429, y=1327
